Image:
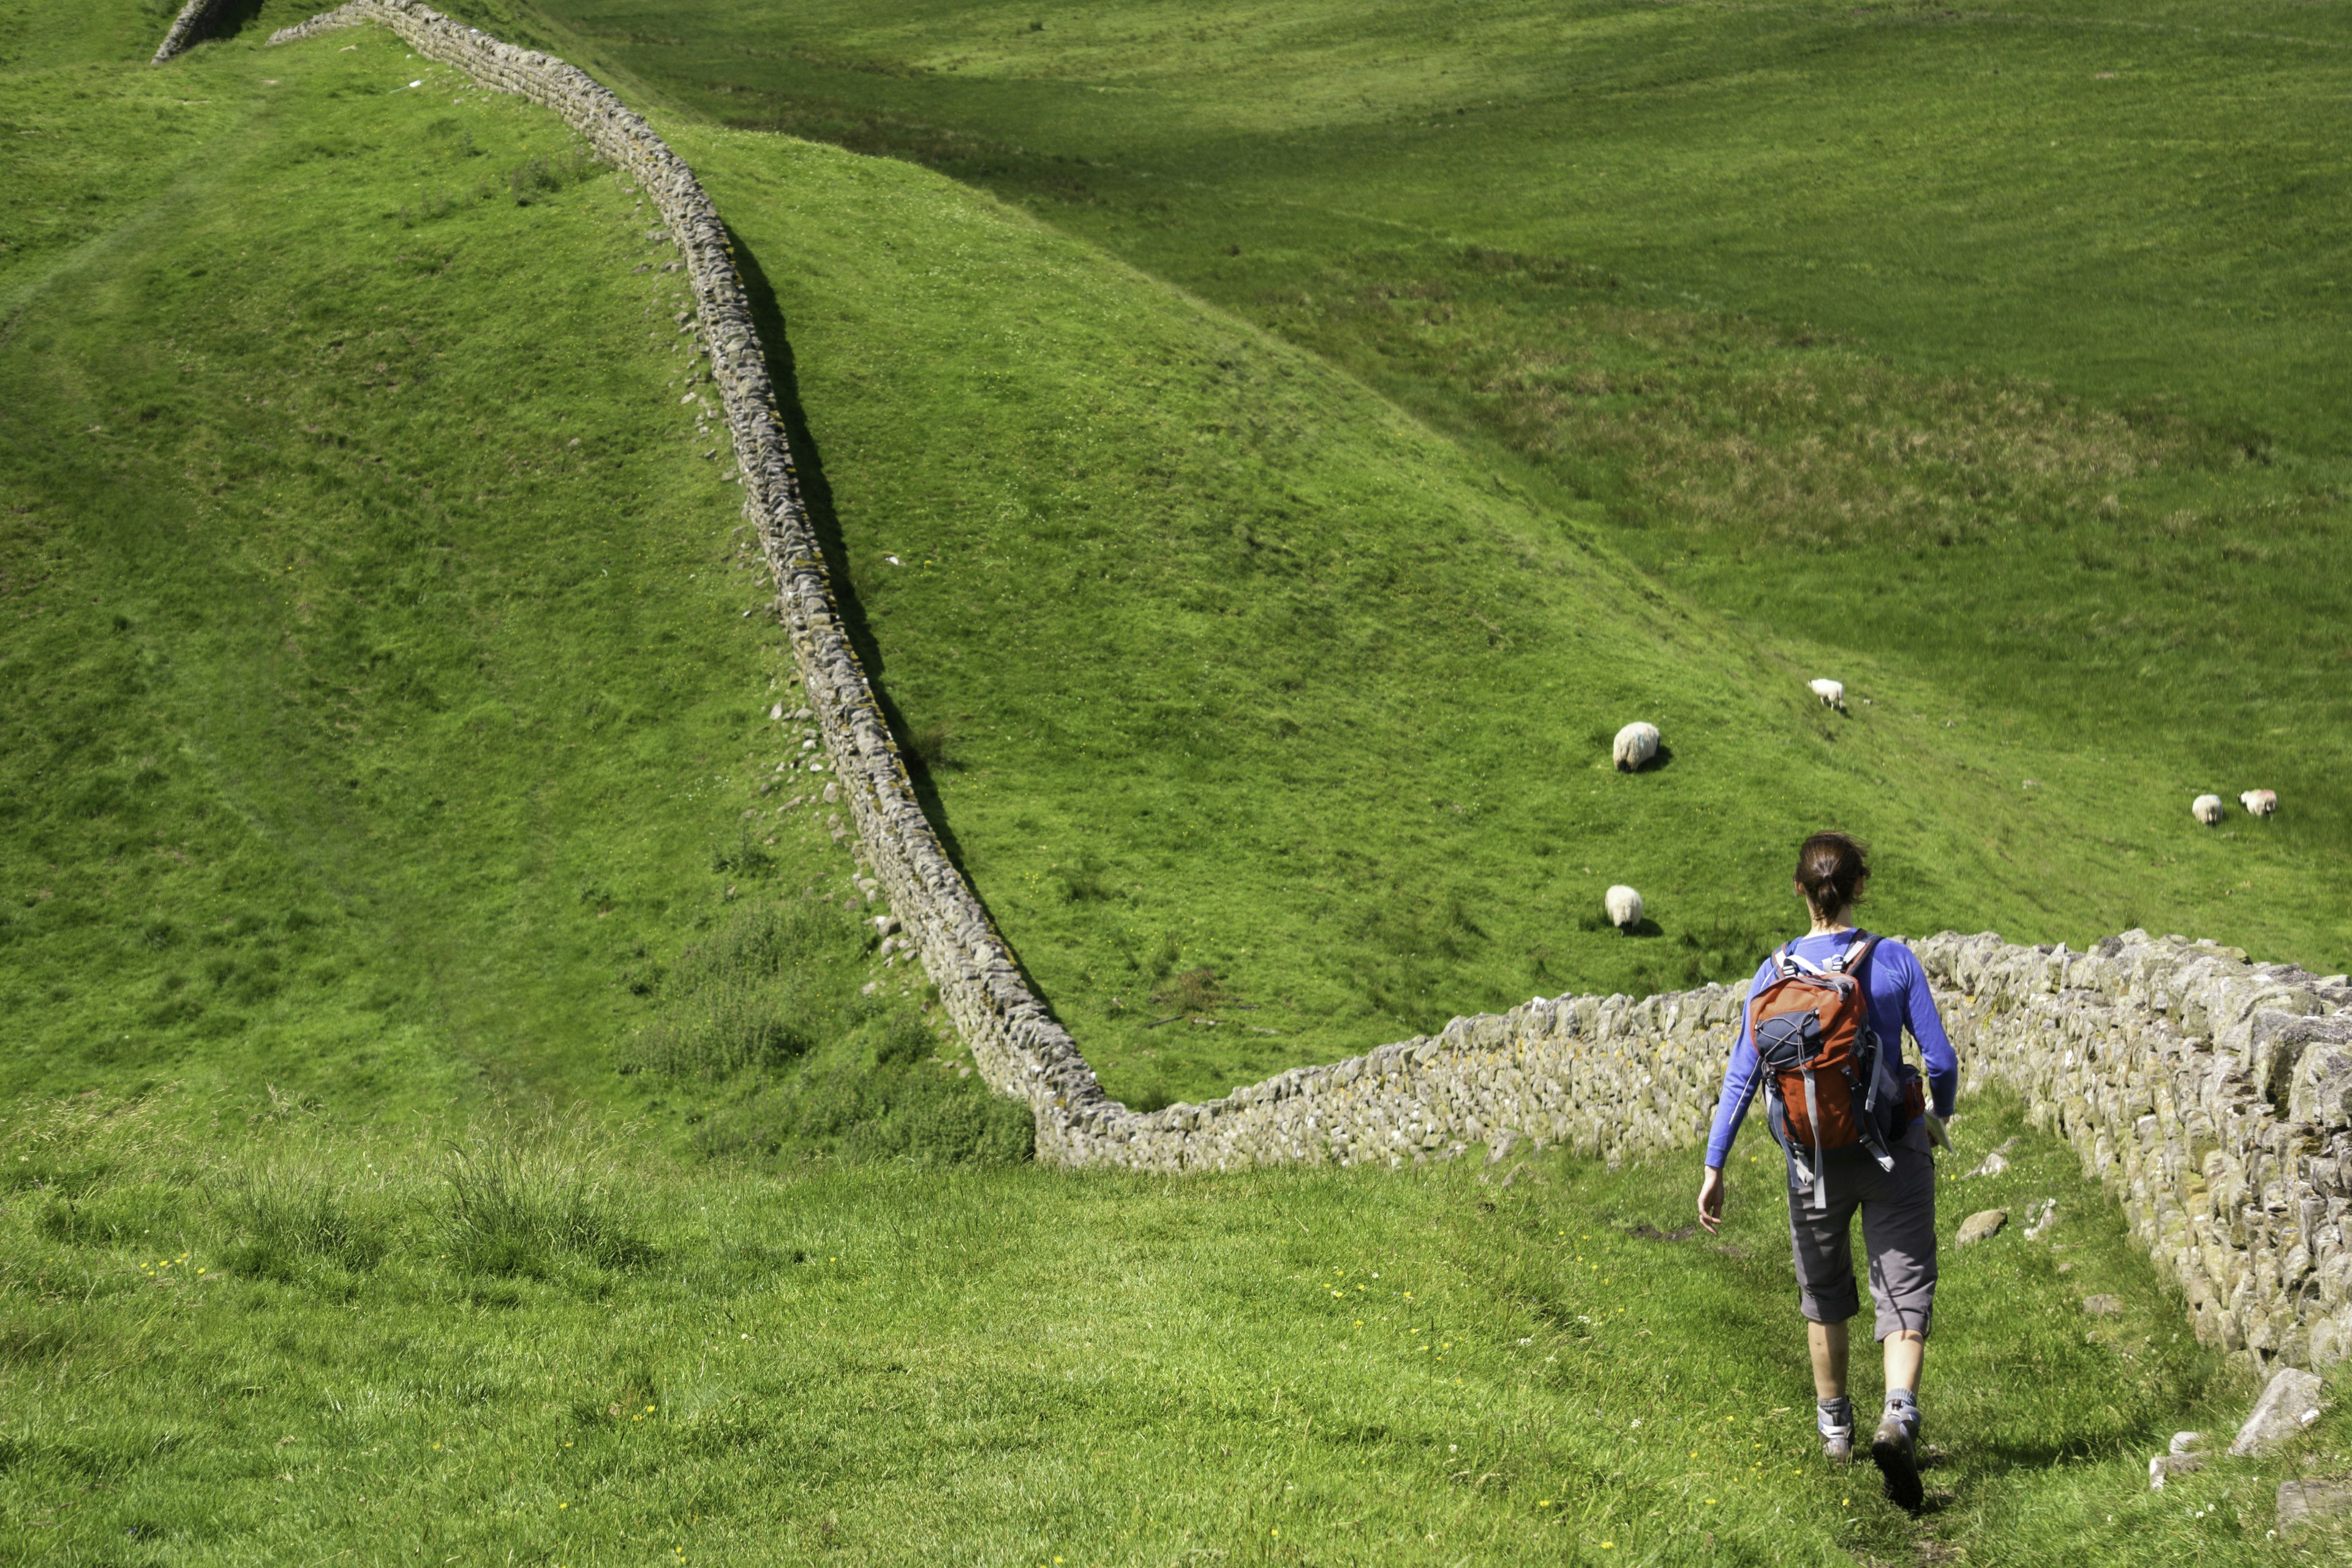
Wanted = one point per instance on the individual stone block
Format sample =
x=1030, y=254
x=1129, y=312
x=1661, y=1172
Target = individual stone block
x=2321, y=1091
x=2291, y=1403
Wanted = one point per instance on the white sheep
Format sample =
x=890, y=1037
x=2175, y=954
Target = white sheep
x=2206, y=808
x=2260, y=802
x=1624, y=907
x=1831, y=692
x=1636, y=745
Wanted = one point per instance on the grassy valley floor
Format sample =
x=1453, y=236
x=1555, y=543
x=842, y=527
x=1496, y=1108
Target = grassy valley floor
x=386, y=1345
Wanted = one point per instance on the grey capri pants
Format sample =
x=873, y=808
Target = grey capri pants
x=1898, y=1234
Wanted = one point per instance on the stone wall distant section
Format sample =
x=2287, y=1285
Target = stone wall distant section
x=188, y=29
x=2211, y=1095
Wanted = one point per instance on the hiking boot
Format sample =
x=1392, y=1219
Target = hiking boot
x=1833, y=1419
x=1895, y=1450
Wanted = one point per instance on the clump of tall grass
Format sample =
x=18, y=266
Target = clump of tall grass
x=1086, y=881
x=521, y=1208
x=282, y=1215
x=754, y=993
x=934, y=746
x=428, y=207
x=1192, y=991
x=544, y=173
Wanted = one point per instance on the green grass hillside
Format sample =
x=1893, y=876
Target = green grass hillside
x=384, y=721
x=1217, y=663
x=452, y=1108
x=1986, y=360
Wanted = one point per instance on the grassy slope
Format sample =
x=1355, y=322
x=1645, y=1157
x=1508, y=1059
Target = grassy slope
x=382, y=715
x=1967, y=418
x=1237, y=667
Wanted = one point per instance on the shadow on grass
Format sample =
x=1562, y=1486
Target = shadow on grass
x=231, y=18
x=816, y=495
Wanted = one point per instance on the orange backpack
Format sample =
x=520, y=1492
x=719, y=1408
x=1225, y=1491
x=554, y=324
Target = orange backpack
x=1825, y=1069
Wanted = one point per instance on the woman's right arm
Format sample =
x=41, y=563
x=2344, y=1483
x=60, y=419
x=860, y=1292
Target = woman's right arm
x=1927, y=1027
x=1741, y=1077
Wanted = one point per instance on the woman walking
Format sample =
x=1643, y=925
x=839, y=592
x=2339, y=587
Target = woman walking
x=1822, y=1036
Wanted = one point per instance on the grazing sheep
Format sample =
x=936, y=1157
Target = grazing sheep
x=2260, y=802
x=1624, y=907
x=2206, y=808
x=1636, y=745
x=1831, y=693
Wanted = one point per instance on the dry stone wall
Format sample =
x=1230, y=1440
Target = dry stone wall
x=2213, y=1095
x=1016, y=1042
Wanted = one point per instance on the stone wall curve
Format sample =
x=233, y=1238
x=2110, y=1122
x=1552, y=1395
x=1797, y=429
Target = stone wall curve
x=2211, y=1095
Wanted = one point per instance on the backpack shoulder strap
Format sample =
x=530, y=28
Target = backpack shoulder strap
x=1794, y=963
x=1855, y=961
x=1856, y=957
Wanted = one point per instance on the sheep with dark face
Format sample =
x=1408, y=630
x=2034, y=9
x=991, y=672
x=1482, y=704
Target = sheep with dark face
x=2207, y=809
x=1831, y=692
x=1636, y=745
x=2260, y=802
x=1624, y=907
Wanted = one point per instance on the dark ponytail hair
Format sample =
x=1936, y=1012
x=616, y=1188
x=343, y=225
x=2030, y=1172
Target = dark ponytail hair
x=1832, y=868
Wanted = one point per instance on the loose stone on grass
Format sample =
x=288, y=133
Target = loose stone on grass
x=1980, y=1227
x=2306, y=1503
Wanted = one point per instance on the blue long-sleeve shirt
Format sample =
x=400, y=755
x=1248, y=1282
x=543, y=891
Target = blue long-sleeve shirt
x=1899, y=1000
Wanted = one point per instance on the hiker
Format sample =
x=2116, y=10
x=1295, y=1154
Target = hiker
x=1830, y=1008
